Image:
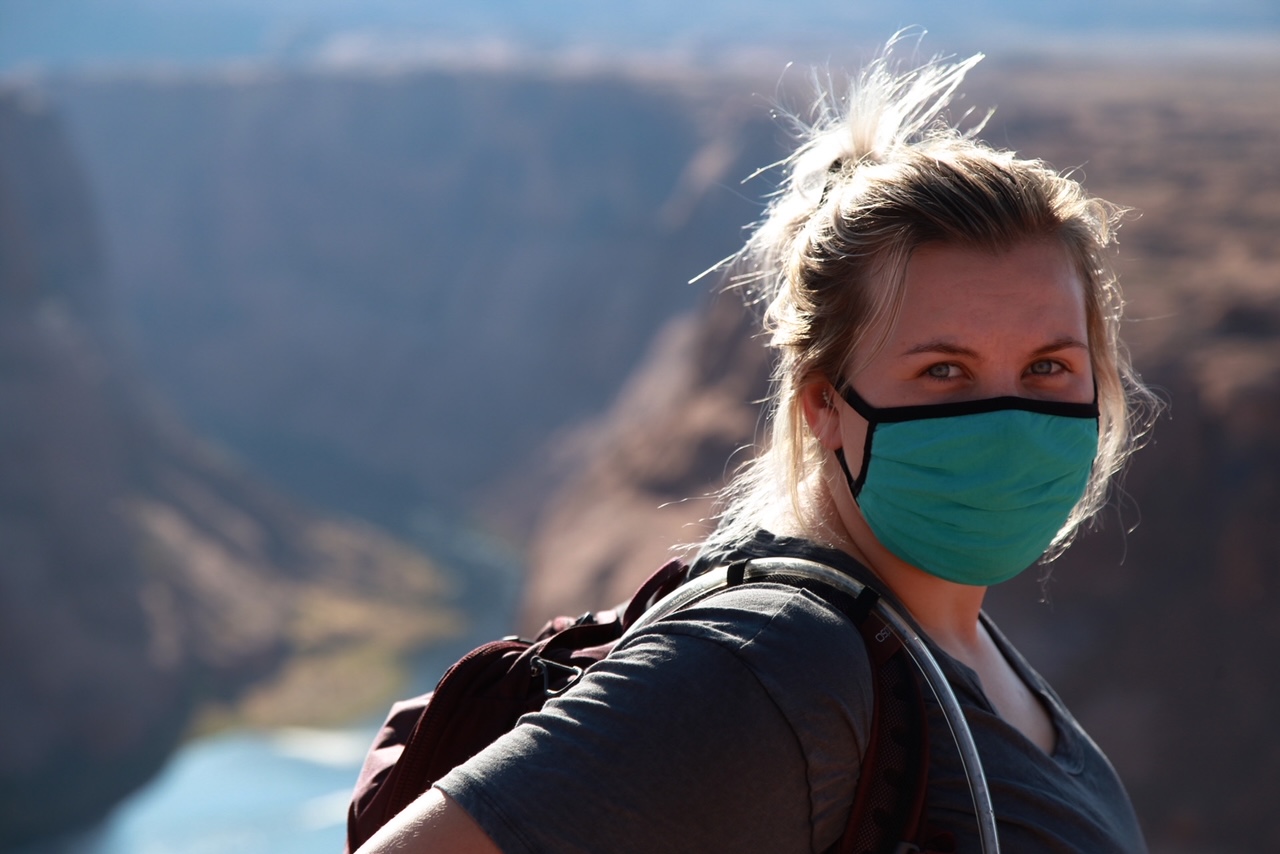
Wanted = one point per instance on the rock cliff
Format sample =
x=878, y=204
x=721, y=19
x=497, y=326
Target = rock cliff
x=144, y=575
x=404, y=282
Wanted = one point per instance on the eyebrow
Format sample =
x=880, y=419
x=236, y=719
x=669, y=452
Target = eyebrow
x=949, y=348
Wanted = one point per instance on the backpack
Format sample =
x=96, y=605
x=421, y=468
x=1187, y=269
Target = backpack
x=486, y=691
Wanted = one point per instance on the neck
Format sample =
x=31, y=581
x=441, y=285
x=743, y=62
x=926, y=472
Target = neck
x=946, y=611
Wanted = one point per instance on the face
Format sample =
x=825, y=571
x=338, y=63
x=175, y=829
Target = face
x=972, y=325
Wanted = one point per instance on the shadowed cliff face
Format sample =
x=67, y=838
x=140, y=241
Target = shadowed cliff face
x=378, y=276
x=1161, y=640
x=142, y=576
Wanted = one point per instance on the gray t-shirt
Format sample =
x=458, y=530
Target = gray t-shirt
x=737, y=725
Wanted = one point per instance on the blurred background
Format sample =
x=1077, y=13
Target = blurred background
x=337, y=336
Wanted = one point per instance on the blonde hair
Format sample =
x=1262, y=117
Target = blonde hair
x=878, y=173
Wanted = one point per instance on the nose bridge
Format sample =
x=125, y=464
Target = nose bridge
x=1004, y=382
x=1004, y=365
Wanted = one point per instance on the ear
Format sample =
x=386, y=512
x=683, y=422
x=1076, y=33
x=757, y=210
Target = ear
x=818, y=400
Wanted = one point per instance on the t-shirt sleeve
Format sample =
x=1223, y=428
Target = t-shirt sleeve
x=737, y=725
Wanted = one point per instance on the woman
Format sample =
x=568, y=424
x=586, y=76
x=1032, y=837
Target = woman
x=950, y=403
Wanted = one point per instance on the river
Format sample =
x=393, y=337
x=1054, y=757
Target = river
x=285, y=790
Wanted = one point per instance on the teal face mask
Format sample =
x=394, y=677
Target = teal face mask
x=972, y=492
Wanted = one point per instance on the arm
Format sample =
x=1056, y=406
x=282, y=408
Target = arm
x=433, y=823
x=664, y=744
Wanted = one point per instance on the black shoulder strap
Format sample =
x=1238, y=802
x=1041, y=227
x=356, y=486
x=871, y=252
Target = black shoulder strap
x=888, y=801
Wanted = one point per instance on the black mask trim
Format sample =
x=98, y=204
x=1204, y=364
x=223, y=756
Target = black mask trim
x=855, y=484
x=893, y=414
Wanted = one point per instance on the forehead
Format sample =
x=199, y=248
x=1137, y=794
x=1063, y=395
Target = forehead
x=1031, y=288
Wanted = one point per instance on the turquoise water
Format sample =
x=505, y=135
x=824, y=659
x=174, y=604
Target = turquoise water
x=276, y=791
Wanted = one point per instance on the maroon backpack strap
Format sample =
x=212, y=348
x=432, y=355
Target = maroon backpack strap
x=667, y=578
x=888, y=802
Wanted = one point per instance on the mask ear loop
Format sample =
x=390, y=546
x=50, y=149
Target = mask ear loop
x=856, y=483
x=854, y=487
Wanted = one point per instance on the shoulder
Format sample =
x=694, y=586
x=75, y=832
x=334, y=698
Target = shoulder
x=798, y=650
x=680, y=723
x=760, y=606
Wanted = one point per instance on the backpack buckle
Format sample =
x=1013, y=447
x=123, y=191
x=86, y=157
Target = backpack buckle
x=544, y=666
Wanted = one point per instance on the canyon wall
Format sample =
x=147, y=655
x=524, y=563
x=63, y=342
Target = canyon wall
x=147, y=579
x=404, y=283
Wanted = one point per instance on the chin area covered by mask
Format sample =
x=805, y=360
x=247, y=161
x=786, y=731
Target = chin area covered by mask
x=973, y=492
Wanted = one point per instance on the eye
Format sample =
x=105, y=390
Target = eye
x=1045, y=367
x=943, y=371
